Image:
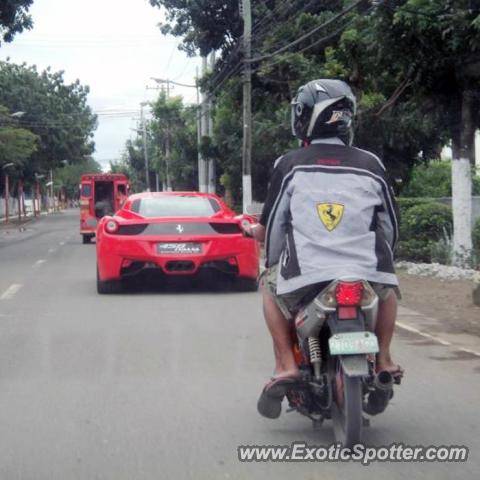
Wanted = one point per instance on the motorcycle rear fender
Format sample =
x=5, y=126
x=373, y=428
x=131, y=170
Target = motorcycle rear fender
x=354, y=365
x=344, y=326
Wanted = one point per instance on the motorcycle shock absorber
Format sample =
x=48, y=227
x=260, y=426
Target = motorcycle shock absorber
x=315, y=356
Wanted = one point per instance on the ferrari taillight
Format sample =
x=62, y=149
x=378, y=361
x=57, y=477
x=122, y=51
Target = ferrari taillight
x=232, y=261
x=111, y=226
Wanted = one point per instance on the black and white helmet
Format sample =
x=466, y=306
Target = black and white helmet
x=324, y=108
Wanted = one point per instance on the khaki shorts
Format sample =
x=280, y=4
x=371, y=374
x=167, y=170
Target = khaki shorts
x=289, y=302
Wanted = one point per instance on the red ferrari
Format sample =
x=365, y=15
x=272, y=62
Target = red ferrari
x=175, y=233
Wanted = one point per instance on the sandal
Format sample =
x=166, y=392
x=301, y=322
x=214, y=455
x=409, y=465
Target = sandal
x=397, y=374
x=270, y=402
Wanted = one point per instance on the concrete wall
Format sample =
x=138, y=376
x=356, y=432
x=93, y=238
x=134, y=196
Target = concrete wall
x=13, y=206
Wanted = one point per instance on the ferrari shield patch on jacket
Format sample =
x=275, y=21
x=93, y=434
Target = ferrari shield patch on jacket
x=330, y=214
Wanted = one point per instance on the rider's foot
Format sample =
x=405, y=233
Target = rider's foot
x=270, y=402
x=291, y=373
x=385, y=363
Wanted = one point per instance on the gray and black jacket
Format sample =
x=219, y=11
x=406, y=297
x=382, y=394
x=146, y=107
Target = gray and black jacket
x=329, y=213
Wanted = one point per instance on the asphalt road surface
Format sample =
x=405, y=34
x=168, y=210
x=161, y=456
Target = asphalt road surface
x=162, y=383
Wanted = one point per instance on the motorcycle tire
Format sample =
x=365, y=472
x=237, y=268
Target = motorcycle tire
x=347, y=405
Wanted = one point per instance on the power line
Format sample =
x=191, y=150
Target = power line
x=306, y=35
x=261, y=35
x=319, y=41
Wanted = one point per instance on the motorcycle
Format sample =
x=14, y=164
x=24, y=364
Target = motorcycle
x=335, y=347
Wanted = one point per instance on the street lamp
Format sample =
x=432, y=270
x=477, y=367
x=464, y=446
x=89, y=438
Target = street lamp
x=17, y=114
x=7, y=192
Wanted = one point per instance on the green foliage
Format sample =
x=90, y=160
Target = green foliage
x=16, y=144
x=410, y=63
x=14, y=18
x=68, y=176
x=476, y=235
x=57, y=113
x=423, y=224
x=204, y=24
x=434, y=180
x=174, y=126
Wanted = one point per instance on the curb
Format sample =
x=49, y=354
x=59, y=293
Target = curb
x=464, y=342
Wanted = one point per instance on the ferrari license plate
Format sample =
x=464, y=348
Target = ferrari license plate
x=179, y=248
x=353, y=343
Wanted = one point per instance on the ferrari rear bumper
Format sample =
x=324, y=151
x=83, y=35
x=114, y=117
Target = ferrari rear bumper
x=125, y=257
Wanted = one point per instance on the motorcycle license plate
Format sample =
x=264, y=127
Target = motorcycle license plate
x=353, y=343
x=179, y=248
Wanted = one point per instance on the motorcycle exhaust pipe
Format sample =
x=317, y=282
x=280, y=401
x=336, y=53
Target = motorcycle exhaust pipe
x=378, y=399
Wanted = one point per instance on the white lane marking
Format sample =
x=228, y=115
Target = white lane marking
x=11, y=291
x=51, y=250
x=436, y=339
x=39, y=262
x=62, y=243
x=404, y=326
x=472, y=352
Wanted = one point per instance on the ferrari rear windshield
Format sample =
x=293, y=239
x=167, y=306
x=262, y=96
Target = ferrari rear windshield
x=175, y=206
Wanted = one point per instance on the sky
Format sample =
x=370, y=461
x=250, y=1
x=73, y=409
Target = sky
x=114, y=47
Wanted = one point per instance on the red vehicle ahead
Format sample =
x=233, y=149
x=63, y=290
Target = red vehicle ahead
x=175, y=233
x=100, y=194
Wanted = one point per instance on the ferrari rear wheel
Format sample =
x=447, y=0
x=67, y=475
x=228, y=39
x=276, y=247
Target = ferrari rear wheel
x=86, y=238
x=245, y=284
x=108, y=286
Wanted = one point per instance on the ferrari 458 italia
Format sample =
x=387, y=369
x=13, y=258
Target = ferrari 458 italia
x=175, y=233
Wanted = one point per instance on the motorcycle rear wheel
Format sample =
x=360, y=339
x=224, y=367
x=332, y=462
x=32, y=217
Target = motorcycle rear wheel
x=346, y=406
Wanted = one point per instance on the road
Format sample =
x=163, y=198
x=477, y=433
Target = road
x=162, y=384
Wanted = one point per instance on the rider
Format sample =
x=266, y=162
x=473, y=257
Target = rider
x=329, y=213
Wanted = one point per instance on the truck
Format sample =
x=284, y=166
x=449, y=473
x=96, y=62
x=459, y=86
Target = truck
x=100, y=194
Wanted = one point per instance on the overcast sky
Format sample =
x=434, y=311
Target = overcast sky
x=113, y=46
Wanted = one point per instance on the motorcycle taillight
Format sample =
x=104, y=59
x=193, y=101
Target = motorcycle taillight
x=349, y=293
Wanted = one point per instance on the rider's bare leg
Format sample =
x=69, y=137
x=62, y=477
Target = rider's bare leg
x=387, y=314
x=285, y=365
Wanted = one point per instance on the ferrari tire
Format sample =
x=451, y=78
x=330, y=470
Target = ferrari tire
x=245, y=284
x=108, y=287
x=86, y=239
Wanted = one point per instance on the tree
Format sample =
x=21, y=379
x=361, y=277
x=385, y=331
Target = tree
x=204, y=25
x=436, y=45
x=132, y=164
x=413, y=64
x=14, y=18
x=434, y=180
x=57, y=113
x=16, y=144
x=174, y=128
x=68, y=176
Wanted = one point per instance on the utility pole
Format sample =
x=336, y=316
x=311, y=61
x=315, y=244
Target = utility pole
x=247, y=106
x=167, y=145
x=199, y=137
x=145, y=153
x=210, y=162
x=203, y=186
